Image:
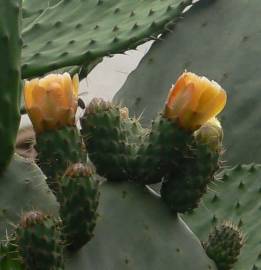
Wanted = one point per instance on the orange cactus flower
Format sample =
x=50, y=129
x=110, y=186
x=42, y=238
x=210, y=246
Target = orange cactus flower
x=193, y=100
x=51, y=102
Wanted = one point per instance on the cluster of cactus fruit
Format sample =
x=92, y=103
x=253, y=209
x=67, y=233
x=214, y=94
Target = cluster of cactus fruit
x=98, y=177
x=182, y=149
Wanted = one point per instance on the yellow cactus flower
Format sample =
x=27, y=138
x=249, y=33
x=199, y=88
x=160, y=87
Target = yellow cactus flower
x=193, y=100
x=51, y=102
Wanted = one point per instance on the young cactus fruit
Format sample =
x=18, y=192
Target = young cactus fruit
x=223, y=245
x=186, y=183
x=51, y=103
x=79, y=198
x=38, y=238
x=111, y=138
x=190, y=105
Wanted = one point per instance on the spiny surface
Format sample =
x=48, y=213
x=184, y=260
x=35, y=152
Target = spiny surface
x=39, y=241
x=224, y=244
x=79, y=199
x=236, y=197
x=111, y=139
x=218, y=39
x=57, y=149
x=76, y=32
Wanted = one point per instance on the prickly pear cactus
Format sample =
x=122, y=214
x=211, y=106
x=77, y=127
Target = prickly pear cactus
x=10, y=54
x=193, y=46
x=235, y=197
x=75, y=32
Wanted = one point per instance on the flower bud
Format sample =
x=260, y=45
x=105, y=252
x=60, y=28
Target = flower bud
x=211, y=133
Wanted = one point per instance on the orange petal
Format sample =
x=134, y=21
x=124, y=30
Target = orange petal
x=36, y=118
x=28, y=90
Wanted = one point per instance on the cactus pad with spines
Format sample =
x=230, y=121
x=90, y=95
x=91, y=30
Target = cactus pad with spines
x=76, y=32
x=57, y=149
x=234, y=197
x=79, y=198
x=10, y=76
x=228, y=56
x=39, y=242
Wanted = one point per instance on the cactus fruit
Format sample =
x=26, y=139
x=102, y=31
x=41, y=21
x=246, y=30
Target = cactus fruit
x=79, y=197
x=53, y=40
x=57, y=149
x=10, y=76
x=39, y=242
x=111, y=138
x=160, y=149
x=51, y=103
x=187, y=181
x=224, y=244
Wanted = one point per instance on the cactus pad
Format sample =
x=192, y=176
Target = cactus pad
x=77, y=32
x=22, y=187
x=140, y=233
x=10, y=76
x=235, y=197
x=228, y=56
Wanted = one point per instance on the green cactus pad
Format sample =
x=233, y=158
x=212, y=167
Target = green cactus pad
x=57, y=149
x=10, y=76
x=220, y=40
x=76, y=32
x=111, y=139
x=224, y=244
x=79, y=198
x=235, y=197
x=39, y=242
x=23, y=188
x=135, y=230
